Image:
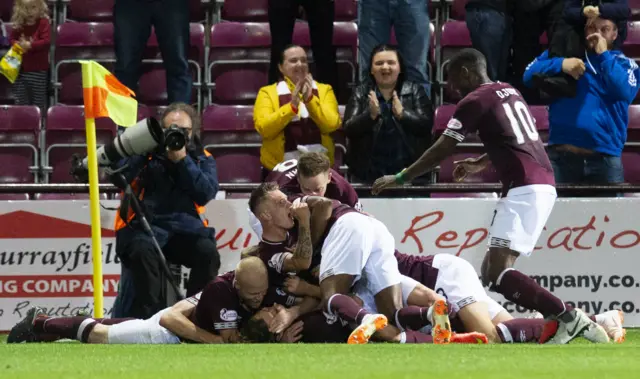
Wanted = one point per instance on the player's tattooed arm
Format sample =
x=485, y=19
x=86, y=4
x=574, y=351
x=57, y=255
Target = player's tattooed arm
x=441, y=149
x=300, y=260
x=176, y=320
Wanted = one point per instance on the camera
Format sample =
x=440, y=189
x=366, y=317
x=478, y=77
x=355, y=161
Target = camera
x=175, y=137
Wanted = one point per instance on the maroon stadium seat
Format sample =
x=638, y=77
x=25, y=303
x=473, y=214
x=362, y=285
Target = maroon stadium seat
x=634, y=5
x=633, y=130
x=458, y=10
x=66, y=196
x=102, y=10
x=229, y=135
x=6, y=10
x=14, y=196
x=238, y=61
x=246, y=10
x=19, y=135
x=65, y=135
x=95, y=41
x=240, y=54
x=345, y=10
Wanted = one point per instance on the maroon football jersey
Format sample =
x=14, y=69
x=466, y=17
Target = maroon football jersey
x=318, y=328
x=503, y=121
x=218, y=306
x=285, y=174
x=278, y=295
x=419, y=268
x=273, y=255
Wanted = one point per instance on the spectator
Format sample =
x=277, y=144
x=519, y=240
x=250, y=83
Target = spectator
x=174, y=187
x=132, y=21
x=410, y=21
x=588, y=132
x=320, y=13
x=489, y=24
x=388, y=119
x=568, y=38
x=296, y=114
x=31, y=31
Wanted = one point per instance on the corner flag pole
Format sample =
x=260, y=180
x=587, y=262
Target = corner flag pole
x=94, y=205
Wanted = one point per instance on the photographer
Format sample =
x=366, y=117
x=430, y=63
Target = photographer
x=173, y=185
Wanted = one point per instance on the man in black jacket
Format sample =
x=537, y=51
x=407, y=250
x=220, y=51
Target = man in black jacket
x=387, y=120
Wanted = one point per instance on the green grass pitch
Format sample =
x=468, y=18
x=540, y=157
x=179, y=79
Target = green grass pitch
x=579, y=359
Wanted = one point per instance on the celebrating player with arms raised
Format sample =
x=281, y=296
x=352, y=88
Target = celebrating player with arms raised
x=503, y=121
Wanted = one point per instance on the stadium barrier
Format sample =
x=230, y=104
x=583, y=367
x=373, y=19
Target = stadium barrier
x=588, y=253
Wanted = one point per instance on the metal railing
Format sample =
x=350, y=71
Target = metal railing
x=360, y=188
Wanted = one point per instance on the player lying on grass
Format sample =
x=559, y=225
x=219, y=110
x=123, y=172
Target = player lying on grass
x=351, y=244
x=212, y=316
x=500, y=116
x=320, y=327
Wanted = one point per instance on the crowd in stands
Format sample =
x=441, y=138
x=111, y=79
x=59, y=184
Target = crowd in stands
x=362, y=81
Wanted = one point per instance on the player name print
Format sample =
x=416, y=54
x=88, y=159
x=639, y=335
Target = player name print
x=588, y=252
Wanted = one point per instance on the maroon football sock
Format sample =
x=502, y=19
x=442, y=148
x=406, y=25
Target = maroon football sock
x=413, y=336
x=412, y=317
x=524, y=291
x=346, y=308
x=77, y=328
x=520, y=330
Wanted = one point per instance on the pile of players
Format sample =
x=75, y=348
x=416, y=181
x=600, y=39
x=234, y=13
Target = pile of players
x=326, y=271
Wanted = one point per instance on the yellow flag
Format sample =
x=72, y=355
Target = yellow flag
x=105, y=96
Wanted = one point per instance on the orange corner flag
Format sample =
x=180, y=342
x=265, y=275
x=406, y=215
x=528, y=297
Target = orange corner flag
x=105, y=96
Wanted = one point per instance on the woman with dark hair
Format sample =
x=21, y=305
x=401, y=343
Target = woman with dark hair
x=296, y=114
x=388, y=119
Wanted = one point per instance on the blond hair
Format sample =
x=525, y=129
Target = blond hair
x=19, y=16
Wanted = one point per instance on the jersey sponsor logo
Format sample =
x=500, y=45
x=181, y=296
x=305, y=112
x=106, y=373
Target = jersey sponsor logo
x=466, y=301
x=228, y=315
x=454, y=124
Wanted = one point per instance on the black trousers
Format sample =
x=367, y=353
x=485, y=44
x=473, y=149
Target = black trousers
x=200, y=254
x=320, y=14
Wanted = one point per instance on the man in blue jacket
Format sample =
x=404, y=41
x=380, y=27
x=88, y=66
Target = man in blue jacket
x=174, y=187
x=588, y=131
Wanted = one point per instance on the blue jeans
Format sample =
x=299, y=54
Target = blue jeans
x=596, y=169
x=410, y=20
x=490, y=32
x=132, y=26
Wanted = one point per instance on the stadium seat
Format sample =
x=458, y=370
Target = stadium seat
x=66, y=196
x=94, y=40
x=238, y=61
x=6, y=10
x=19, y=136
x=240, y=54
x=634, y=6
x=14, y=196
x=631, y=46
x=458, y=10
x=65, y=135
x=631, y=165
x=633, y=130
x=229, y=135
x=345, y=10
x=102, y=10
x=246, y=10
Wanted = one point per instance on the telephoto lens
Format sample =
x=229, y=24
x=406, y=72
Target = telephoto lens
x=175, y=138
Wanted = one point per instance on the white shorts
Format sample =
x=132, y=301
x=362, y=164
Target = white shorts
x=519, y=217
x=146, y=331
x=368, y=298
x=458, y=281
x=360, y=246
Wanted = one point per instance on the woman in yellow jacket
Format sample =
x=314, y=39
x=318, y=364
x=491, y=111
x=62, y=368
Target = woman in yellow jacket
x=296, y=114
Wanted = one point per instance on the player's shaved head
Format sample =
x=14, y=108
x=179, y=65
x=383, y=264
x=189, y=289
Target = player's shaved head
x=251, y=281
